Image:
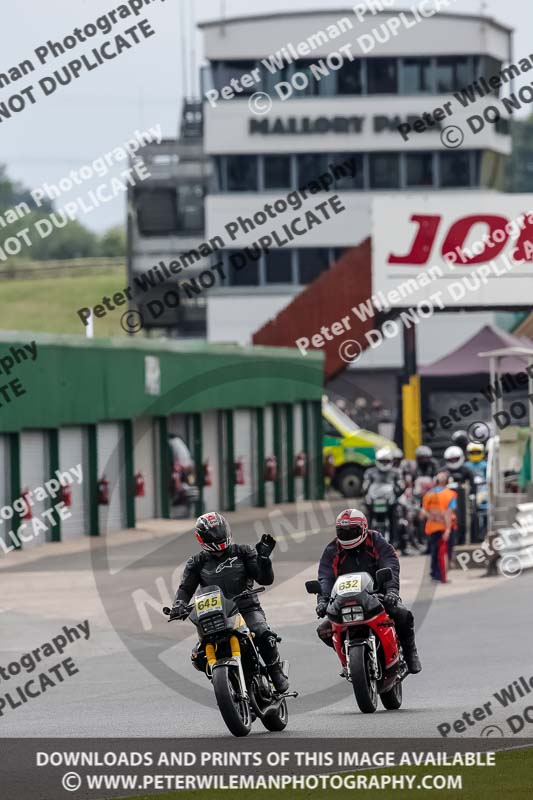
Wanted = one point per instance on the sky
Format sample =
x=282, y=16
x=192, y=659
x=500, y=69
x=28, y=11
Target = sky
x=140, y=89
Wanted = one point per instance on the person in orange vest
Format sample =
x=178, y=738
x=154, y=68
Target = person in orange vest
x=438, y=507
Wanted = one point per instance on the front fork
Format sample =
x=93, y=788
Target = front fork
x=371, y=644
x=235, y=658
x=236, y=654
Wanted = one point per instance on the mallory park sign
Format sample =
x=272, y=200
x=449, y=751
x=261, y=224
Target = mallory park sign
x=298, y=126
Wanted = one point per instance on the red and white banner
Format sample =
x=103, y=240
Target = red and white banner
x=473, y=249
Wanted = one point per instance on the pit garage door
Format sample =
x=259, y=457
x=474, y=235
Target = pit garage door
x=178, y=426
x=5, y=499
x=245, y=451
x=110, y=445
x=212, y=493
x=144, y=461
x=283, y=467
x=34, y=471
x=73, y=453
x=298, y=448
x=269, y=451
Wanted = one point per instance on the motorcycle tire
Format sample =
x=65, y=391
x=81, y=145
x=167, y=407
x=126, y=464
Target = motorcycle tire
x=392, y=700
x=235, y=713
x=349, y=481
x=364, y=687
x=276, y=719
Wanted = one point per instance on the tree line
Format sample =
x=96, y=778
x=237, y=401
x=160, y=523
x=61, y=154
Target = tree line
x=73, y=240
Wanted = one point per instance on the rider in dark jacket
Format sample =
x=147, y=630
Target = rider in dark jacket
x=356, y=549
x=385, y=473
x=233, y=568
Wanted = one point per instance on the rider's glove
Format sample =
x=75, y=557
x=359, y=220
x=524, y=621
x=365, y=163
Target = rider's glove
x=391, y=598
x=179, y=610
x=321, y=606
x=265, y=546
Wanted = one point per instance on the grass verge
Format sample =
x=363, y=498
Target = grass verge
x=50, y=305
x=511, y=777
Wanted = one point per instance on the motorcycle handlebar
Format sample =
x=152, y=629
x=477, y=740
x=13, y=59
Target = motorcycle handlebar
x=167, y=611
x=241, y=596
x=248, y=593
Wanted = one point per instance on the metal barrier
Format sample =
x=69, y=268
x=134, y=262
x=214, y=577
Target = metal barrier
x=517, y=546
x=68, y=268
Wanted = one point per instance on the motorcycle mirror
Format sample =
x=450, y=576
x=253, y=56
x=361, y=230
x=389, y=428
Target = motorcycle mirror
x=313, y=587
x=382, y=576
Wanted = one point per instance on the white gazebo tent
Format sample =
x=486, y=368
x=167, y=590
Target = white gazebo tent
x=495, y=475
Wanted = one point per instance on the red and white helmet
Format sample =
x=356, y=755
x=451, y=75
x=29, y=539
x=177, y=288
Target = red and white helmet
x=352, y=528
x=213, y=532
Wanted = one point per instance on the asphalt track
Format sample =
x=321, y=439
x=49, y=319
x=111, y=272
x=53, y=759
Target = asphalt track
x=135, y=679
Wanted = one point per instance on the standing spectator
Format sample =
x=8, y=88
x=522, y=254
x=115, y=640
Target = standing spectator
x=438, y=506
x=362, y=415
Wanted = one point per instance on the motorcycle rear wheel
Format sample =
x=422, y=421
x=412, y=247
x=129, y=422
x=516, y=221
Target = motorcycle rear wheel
x=364, y=687
x=392, y=700
x=235, y=711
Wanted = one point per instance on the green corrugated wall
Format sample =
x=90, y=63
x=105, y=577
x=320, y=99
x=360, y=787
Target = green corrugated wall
x=80, y=381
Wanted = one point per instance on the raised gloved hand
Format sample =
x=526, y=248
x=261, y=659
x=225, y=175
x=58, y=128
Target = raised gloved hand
x=265, y=546
x=179, y=610
x=391, y=598
x=322, y=606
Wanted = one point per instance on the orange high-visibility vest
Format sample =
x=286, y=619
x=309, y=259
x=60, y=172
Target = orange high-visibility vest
x=437, y=500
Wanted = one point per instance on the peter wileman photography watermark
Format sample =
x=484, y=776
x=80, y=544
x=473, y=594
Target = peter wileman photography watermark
x=14, y=388
x=502, y=386
x=10, y=540
x=280, y=236
x=507, y=696
x=478, y=90
x=351, y=349
x=87, y=62
x=83, y=204
x=261, y=102
x=13, y=697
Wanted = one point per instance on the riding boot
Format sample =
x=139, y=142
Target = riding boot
x=278, y=677
x=268, y=648
x=405, y=627
x=411, y=653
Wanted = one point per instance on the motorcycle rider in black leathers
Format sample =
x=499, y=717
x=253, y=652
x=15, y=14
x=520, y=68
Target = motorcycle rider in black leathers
x=384, y=472
x=425, y=466
x=462, y=480
x=357, y=549
x=233, y=568
x=419, y=476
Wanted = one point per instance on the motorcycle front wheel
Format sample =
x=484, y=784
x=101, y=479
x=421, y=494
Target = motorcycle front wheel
x=364, y=687
x=392, y=700
x=235, y=710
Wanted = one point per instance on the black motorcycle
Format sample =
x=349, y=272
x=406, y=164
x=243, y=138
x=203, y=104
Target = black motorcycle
x=384, y=512
x=242, y=686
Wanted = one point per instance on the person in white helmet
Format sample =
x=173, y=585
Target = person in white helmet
x=462, y=478
x=384, y=472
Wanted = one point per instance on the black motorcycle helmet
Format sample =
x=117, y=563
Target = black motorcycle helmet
x=213, y=532
x=460, y=439
x=423, y=455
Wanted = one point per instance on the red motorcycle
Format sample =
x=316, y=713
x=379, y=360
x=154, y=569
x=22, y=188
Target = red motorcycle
x=365, y=640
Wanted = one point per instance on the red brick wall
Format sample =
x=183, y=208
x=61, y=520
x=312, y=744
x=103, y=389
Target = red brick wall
x=325, y=301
